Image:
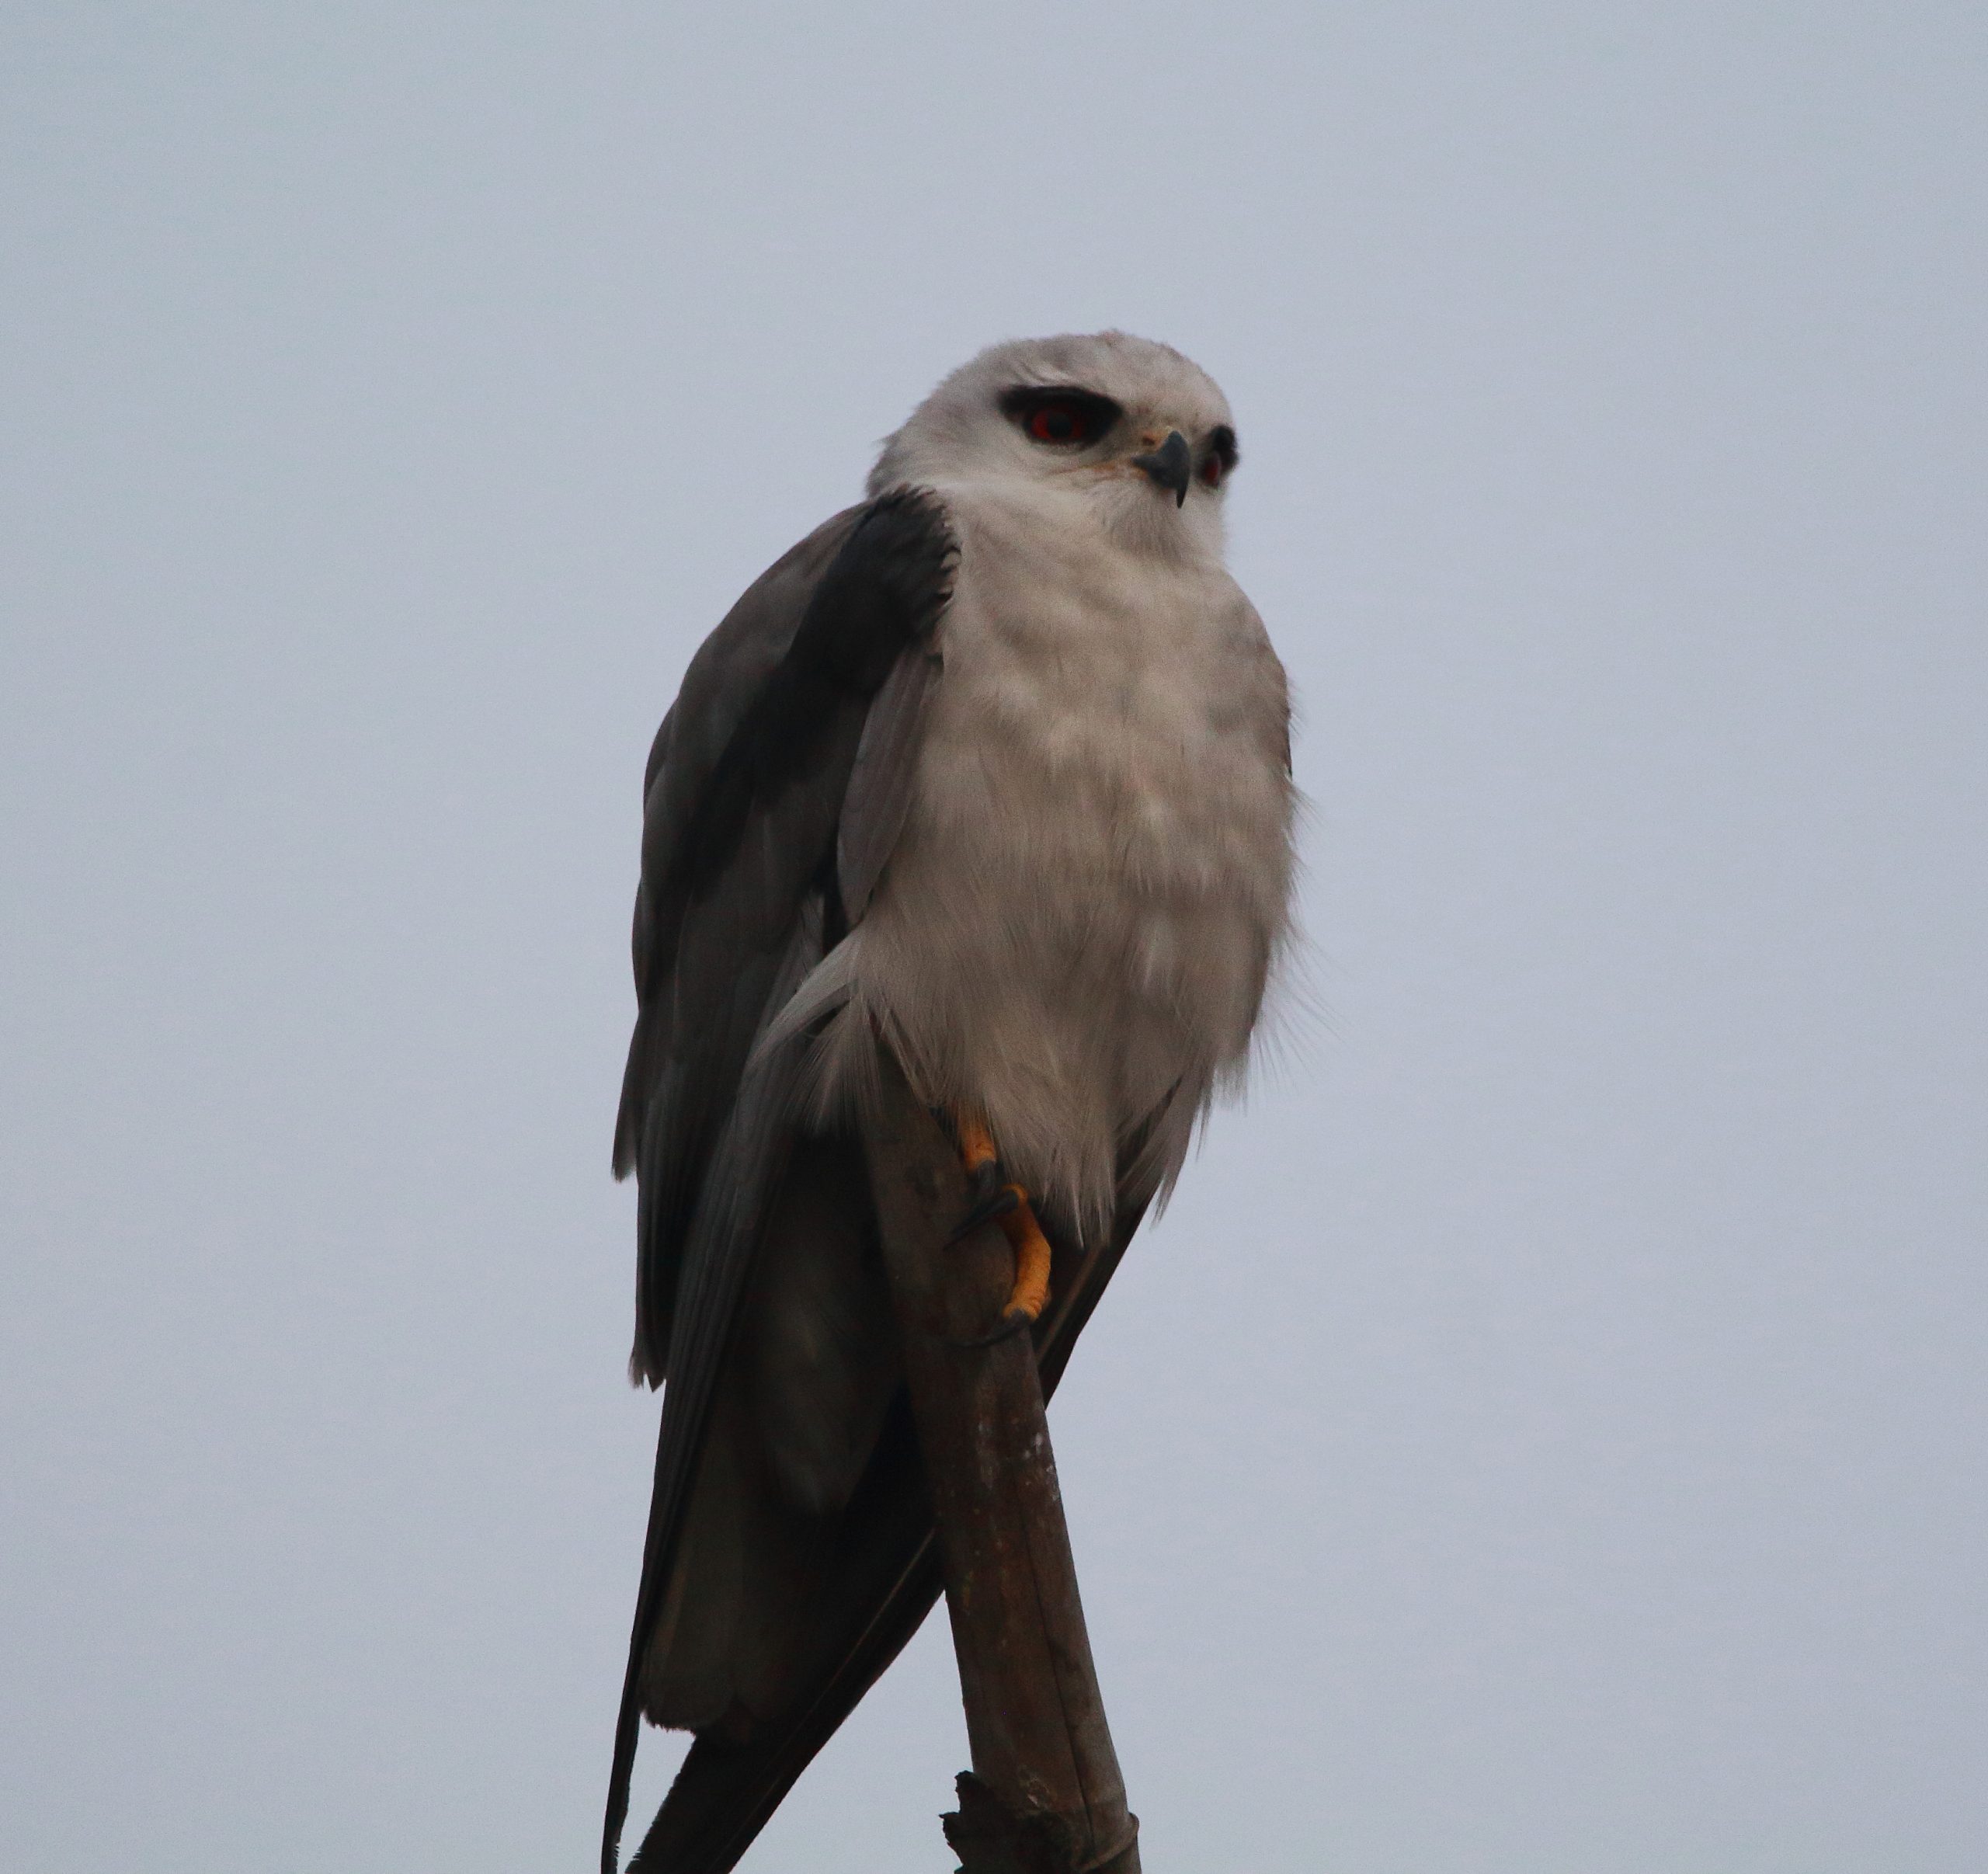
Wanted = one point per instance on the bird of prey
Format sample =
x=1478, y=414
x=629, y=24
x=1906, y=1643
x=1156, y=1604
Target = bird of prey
x=994, y=766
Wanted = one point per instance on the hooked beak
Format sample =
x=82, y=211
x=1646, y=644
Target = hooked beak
x=1170, y=465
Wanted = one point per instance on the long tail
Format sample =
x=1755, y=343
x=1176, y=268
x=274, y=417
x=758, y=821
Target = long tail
x=884, y=1581
x=725, y=1794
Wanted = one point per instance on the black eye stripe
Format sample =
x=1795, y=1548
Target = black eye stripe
x=1063, y=416
x=1090, y=417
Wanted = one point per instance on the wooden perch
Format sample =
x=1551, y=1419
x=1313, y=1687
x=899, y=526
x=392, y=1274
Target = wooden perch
x=1045, y=1796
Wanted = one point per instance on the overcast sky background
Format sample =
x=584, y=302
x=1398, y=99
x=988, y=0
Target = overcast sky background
x=1546, y=1435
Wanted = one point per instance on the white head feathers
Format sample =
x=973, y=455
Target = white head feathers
x=1086, y=420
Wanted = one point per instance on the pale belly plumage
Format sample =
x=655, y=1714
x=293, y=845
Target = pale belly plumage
x=1073, y=933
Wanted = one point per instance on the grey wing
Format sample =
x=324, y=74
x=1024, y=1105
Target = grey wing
x=747, y=802
x=764, y=767
x=880, y=783
x=670, y=1095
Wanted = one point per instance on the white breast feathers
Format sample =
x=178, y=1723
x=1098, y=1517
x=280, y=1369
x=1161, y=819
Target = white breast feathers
x=1073, y=935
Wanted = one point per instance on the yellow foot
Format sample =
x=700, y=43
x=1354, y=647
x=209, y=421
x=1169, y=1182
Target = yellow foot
x=1031, y=1290
x=1031, y=1294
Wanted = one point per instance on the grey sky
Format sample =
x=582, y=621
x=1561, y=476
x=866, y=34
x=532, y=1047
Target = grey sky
x=1546, y=1435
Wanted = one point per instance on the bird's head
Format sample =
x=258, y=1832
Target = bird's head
x=1133, y=433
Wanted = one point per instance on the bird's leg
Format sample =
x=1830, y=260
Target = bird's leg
x=998, y=1197
x=992, y=1195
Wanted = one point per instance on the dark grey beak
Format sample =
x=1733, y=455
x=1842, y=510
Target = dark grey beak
x=1171, y=465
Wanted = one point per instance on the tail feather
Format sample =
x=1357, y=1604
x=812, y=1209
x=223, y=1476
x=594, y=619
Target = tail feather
x=725, y=1794
x=883, y=1581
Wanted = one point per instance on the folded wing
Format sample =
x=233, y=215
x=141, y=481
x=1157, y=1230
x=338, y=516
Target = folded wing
x=746, y=798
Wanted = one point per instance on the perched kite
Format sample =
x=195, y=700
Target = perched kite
x=995, y=766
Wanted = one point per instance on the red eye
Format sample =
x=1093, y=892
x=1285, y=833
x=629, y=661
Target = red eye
x=1219, y=464
x=1058, y=422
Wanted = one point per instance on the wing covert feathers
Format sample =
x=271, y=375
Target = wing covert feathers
x=744, y=808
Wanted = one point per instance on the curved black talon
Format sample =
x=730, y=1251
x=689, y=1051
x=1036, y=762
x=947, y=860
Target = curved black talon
x=1012, y=1322
x=995, y=1203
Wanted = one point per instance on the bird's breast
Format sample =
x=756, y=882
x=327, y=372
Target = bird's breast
x=1107, y=726
x=1077, y=922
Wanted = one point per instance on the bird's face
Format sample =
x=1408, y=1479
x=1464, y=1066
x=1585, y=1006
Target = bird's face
x=1127, y=433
